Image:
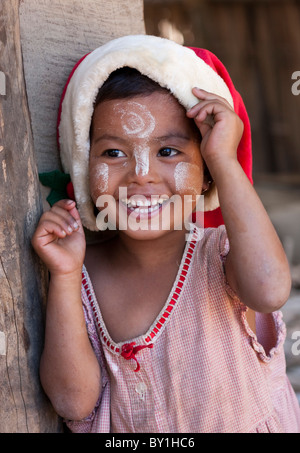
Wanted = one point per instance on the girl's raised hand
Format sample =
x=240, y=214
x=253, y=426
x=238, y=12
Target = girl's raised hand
x=59, y=239
x=220, y=127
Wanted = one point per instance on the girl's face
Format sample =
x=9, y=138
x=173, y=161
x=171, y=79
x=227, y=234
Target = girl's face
x=148, y=147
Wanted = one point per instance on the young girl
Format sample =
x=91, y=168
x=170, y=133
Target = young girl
x=147, y=331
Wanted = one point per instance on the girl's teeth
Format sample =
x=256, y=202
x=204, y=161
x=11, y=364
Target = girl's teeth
x=138, y=205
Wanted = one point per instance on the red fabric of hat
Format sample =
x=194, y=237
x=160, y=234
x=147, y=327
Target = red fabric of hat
x=244, y=151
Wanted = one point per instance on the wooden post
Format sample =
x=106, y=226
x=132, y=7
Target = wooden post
x=23, y=407
x=28, y=116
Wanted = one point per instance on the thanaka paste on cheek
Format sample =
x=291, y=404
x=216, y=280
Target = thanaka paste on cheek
x=101, y=178
x=183, y=174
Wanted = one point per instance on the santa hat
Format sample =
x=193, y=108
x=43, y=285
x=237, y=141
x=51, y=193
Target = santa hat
x=172, y=66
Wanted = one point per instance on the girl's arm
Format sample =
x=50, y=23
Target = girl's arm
x=69, y=369
x=256, y=266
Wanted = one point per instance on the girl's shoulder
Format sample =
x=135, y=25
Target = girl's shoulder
x=209, y=257
x=213, y=242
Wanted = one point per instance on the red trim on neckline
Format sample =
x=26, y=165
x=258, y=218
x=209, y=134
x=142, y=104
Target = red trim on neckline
x=168, y=309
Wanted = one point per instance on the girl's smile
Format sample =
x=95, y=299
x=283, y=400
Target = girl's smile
x=149, y=147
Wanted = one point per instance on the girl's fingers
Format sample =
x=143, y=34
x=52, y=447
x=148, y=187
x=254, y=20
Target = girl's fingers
x=60, y=221
x=205, y=97
x=69, y=206
x=65, y=204
x=209, y=112
x=74, y=213
x=48, y=231
x=198, y=110
x=62, y=218
x=53, y=229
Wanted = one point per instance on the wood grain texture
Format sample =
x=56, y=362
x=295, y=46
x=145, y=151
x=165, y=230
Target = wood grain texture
x=258, y=41
x=24, y=407
x=55, y=34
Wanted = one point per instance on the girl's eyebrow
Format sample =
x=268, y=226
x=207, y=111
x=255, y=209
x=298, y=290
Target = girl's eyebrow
x=109, y=137
x=162, y=138
x=171, y=135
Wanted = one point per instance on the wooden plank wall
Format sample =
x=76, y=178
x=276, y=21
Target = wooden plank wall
x=259, y=42
x=55, y=34
x=23, y=406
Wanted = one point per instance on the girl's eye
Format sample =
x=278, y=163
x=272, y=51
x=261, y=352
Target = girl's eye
x=114, y=153
x=167, y=152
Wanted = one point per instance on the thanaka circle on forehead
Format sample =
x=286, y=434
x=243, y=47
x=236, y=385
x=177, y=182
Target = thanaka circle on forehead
x=173, y=66
x=138, y=121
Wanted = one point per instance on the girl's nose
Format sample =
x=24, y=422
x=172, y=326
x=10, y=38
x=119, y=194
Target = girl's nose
x=142, y=160
x=143, y=169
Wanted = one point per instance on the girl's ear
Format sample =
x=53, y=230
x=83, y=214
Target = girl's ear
x=207, y=179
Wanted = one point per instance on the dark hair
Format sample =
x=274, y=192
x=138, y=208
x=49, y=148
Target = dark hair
x=126, y=83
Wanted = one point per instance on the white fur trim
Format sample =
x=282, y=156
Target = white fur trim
x=171, y=65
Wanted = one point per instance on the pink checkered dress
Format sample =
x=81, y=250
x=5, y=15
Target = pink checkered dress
x=199, y=368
